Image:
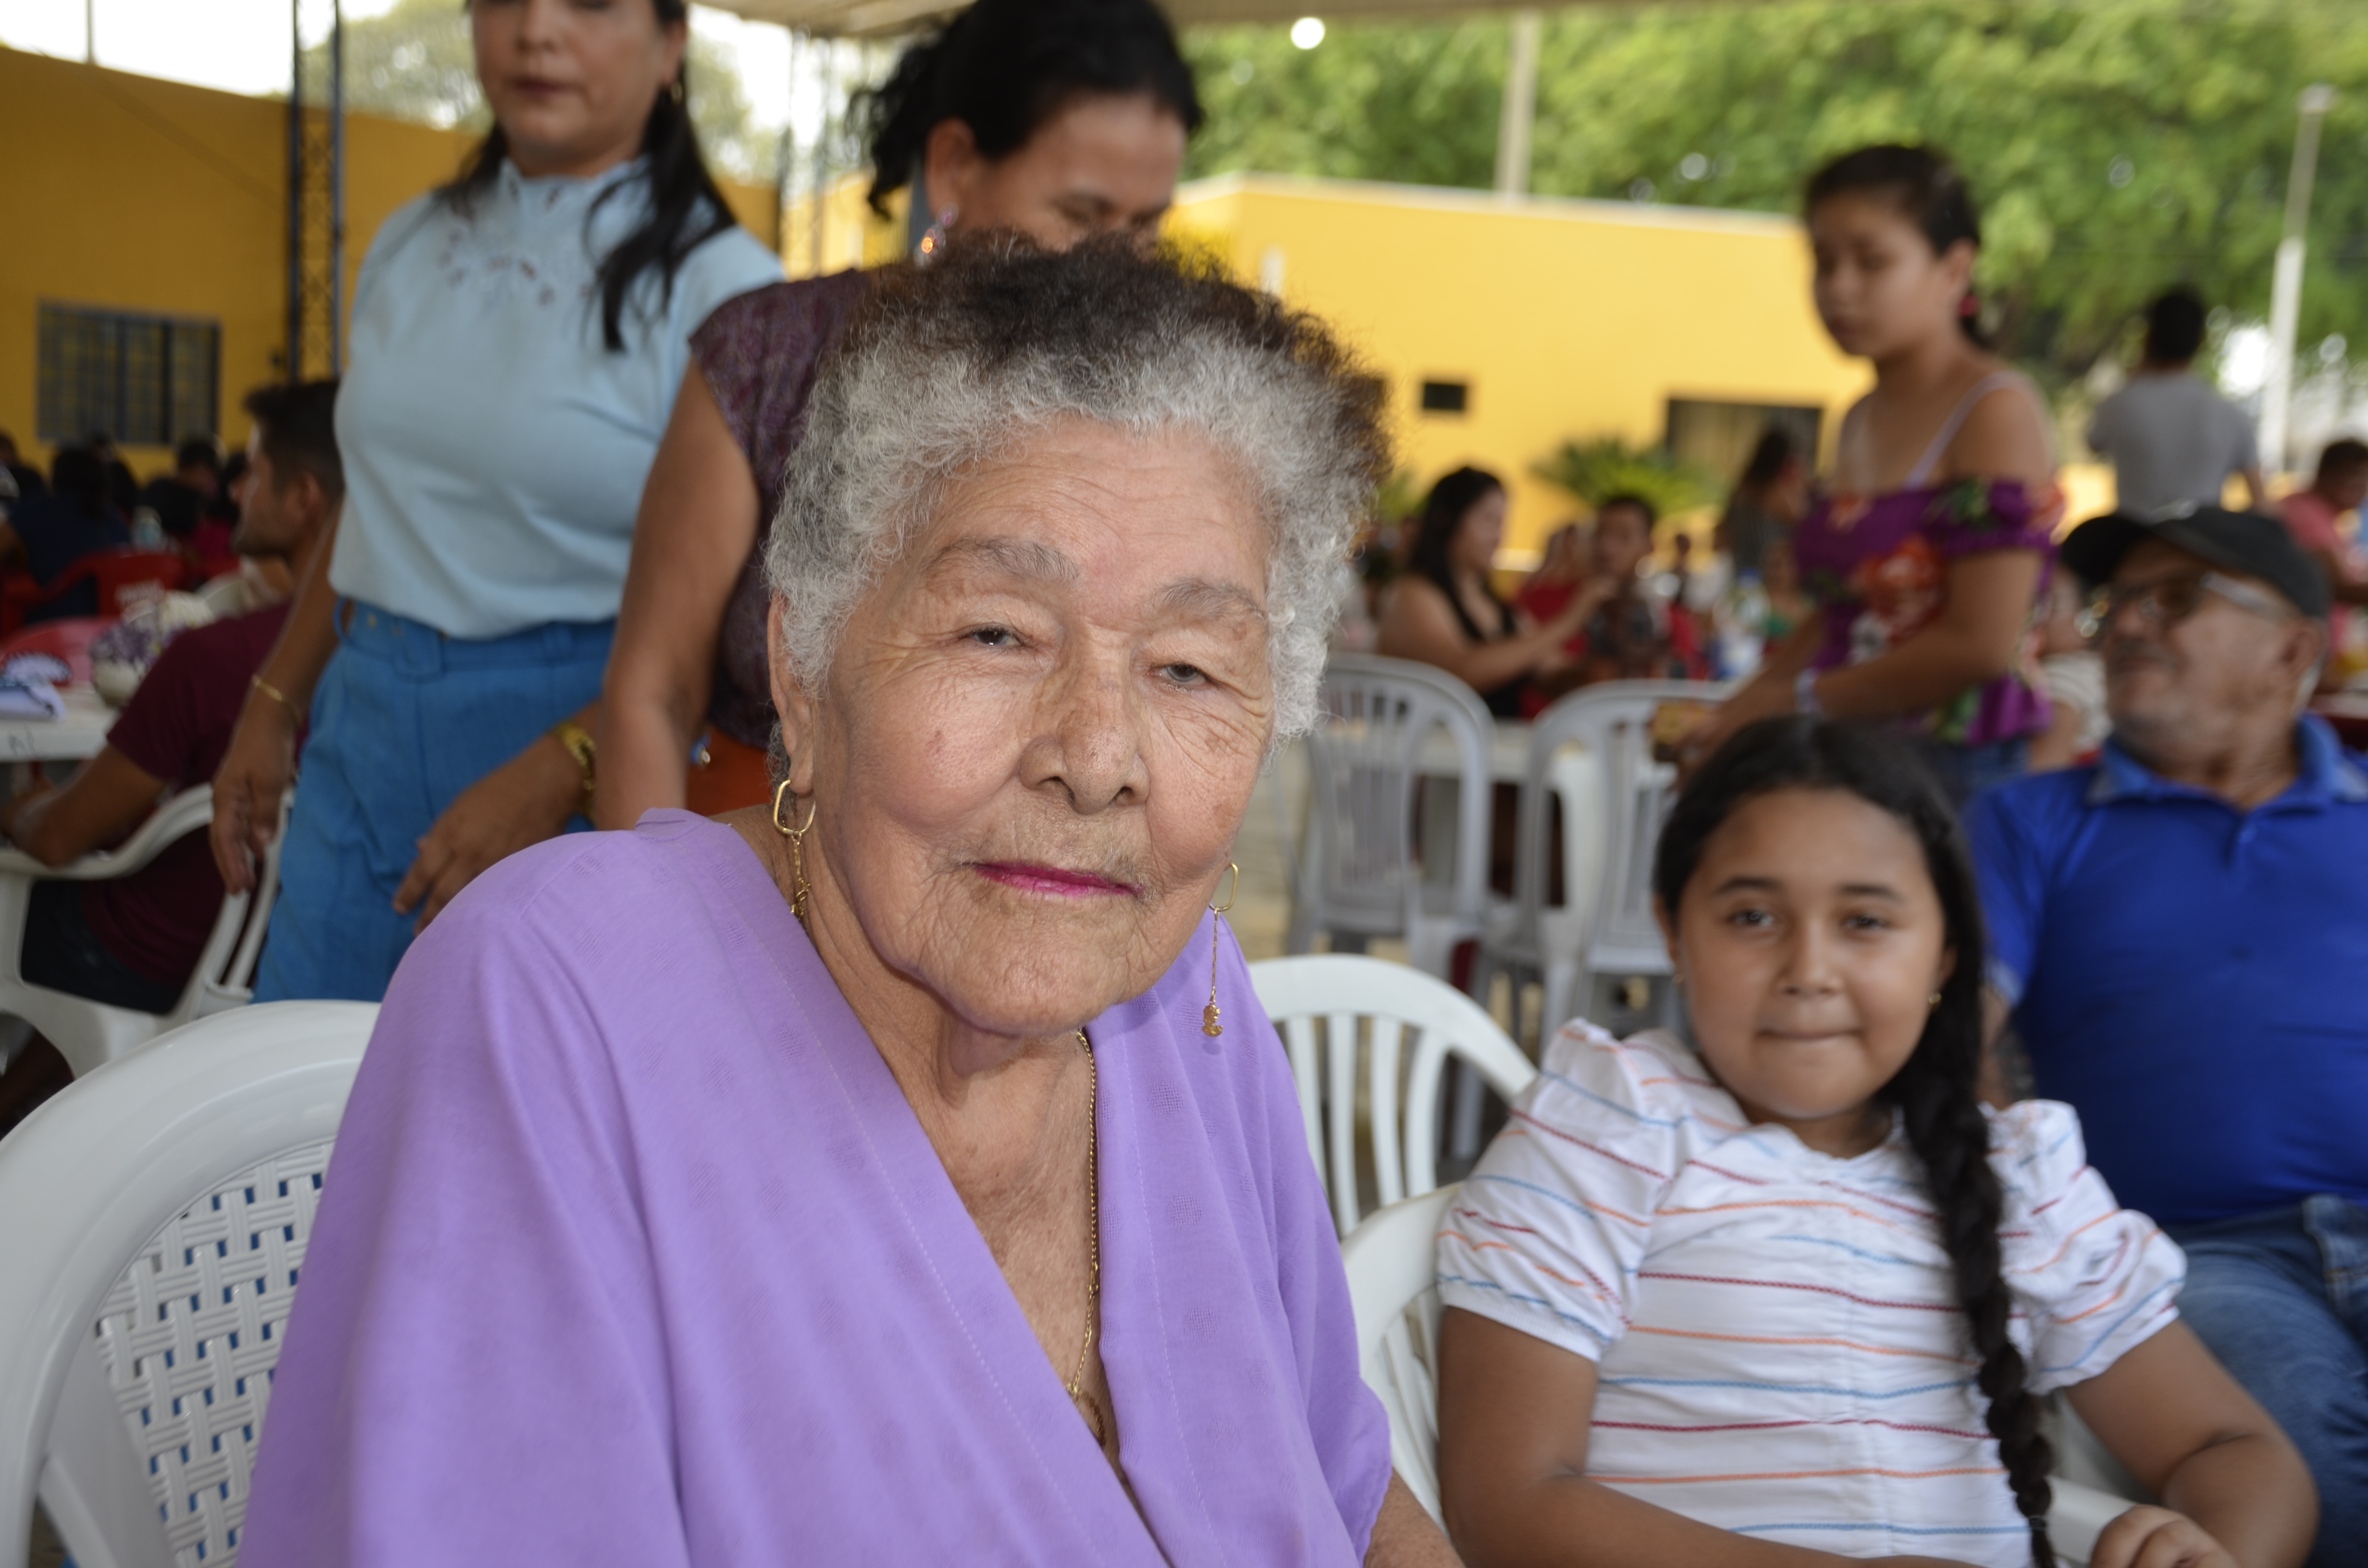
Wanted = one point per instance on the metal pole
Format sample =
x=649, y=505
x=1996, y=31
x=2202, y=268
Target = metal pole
x=2285, y=282
x=1521, y=112
x=785, y=157
x=90, y=32
x=296, y=193
x=825, y=59
x=336, y=184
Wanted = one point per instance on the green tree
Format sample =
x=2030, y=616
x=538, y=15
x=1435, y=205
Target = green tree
x=416, y=63
x=2117, y=145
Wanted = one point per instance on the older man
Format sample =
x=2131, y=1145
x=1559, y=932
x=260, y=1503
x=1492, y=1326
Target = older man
x=2181, y=931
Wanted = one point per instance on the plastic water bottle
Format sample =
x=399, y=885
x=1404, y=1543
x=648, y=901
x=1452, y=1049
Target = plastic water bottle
x=1742, y=628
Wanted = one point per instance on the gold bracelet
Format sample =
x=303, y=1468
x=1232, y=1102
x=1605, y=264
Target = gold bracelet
x=276, y=695
x=577, y=740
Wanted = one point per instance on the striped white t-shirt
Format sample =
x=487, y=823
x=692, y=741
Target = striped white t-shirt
x=1777, y=1345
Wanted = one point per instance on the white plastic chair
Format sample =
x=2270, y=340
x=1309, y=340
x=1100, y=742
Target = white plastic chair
x=1605, y=928
x=1414, y=1026
x=158, y=1212
x=1360, y=875
x=1393, y=1291
x=87, y=1033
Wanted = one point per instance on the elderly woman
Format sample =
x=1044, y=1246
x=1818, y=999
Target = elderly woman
x=904, y=1173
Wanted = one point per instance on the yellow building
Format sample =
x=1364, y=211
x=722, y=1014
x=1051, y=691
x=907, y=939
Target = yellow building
x=144, y=199
x=1547, y=319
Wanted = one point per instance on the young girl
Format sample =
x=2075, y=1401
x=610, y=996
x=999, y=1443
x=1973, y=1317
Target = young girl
x=1929, y=558
x=1797, y=1289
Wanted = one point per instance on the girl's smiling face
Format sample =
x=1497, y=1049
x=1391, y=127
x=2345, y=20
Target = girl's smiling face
x=1810, y=942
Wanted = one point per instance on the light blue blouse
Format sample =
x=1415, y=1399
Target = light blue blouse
x=493, y=448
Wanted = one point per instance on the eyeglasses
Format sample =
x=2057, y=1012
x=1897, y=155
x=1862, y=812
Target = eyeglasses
x=2167, y=602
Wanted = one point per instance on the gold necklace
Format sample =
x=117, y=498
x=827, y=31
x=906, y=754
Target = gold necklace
x=1088, y=1406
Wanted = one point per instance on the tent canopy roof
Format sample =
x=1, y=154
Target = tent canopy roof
x=860, y=18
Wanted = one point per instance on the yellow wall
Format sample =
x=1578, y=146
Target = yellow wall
x=131, y=193
x=1566, y=318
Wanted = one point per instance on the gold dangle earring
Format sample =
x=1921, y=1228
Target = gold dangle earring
x=796, y=835
x=1209, y=1024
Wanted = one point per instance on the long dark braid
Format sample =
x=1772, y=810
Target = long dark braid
x=1936, y=1092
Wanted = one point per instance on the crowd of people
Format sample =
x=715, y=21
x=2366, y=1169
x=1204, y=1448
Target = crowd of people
x=919, y=635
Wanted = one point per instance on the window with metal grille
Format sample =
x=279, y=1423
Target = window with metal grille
x=147, y=380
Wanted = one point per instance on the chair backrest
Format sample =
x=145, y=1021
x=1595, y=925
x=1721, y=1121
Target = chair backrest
x=126, y=576
x=1613, y=722
x=158, y=1215
x=1393, y=1291
x=88, y=1033
x=1413, y=1026
x=1360, y=856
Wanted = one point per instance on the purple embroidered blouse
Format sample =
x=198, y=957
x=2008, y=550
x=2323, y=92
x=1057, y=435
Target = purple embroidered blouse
x=632, y=1251
x=760, y=352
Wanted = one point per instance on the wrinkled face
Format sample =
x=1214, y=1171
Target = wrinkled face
x=1481, y=531
x=572, y=81
x=1880, y=288
x=1105, y=163
x=1040, y=729
x=1812, y=940
x=2168, y=688
x=1622, y=539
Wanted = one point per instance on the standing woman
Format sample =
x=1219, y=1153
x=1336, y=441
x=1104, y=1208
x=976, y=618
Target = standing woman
x=1445, y=612
x=1059, y=119
x=516, y=340
x=1931, y=558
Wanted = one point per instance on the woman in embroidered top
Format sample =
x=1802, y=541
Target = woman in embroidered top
x=1796, y=1298
x=1930, y=557
x=516, y=340
x=856, y=1179
x=1058, y=119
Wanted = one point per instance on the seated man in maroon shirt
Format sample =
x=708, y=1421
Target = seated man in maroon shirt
x=132, y=941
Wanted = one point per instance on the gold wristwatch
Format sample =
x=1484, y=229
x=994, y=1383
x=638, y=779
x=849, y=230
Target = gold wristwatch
x=578, y=742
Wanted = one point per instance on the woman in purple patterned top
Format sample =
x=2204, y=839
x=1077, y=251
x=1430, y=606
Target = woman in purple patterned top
x=1059, y=119
x=1929, y=558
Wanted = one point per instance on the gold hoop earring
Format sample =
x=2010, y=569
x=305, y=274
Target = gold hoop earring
x=796, y=835
x=1935, y=1001
x=1209, y=1014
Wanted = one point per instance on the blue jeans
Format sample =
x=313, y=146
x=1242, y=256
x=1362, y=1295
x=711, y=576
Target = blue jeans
x=2282, y=1299
x=404, y=719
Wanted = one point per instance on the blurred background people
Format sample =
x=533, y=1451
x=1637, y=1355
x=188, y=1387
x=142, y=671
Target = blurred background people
x=2074, y=673
x=46, y=535
x=517, y=338
x=1769, y=498
x=1059, y=119
x=131, y=941
x=179, y=498
x=1930, y=559
x=122, y=484
x=25, y=479
x=1631, y=632
x=1445, y=610
x=2315, y=516
x=2171, y=439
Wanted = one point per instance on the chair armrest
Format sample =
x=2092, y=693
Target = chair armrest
x=189, y=811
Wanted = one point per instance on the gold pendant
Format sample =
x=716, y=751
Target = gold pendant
x=1209, y=1024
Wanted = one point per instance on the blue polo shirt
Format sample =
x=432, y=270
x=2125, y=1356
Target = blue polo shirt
x=2191, y=978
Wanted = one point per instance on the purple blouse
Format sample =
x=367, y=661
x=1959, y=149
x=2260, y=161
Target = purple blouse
x=1878, y=568
x=632, y=1251
x=760, y=352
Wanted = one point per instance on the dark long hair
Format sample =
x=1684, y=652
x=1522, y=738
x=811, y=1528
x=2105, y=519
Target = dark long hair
x=78, y=473
x=686, y=209
x=1922, y=183
x=1004, y=67
x=1442, y=515
x=1935, y=1092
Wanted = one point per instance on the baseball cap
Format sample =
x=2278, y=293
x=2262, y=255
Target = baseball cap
x=2245, y=542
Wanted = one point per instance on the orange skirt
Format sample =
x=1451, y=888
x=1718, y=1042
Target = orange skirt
x=732, y=775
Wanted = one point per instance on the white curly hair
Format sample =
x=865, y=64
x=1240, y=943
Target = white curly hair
x=946, y=366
